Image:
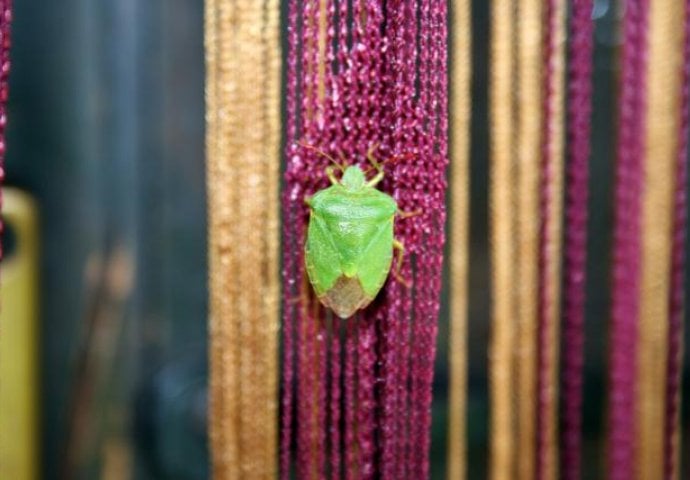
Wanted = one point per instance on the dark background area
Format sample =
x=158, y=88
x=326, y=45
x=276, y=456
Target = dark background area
x=107, y=132
x=107, y=110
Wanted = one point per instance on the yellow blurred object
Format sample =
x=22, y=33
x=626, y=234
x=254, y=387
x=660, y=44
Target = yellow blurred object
x=19, y=341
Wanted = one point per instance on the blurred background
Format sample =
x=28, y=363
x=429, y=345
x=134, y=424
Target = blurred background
x=106, y=134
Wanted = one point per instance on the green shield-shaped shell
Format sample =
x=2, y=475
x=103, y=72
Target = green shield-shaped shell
x=349, y=246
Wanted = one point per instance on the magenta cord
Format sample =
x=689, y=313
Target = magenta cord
x=627, y=243
x=577, y=176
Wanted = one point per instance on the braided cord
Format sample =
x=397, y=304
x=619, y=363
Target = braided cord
x=243, y=59
x=459, y=236
x=678, y=266
x=550, y=247
x=528, y=149
x=626, y=244
x=662, y=117
x=574, y=275
x=501, y=238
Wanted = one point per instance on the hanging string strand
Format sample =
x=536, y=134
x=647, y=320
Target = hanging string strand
x=249, y=220
x=626, y=244
x=242, y=44
x=392, y=327
x=678, y=266
x=420, y=345
x=224, y=402
x=550, y=247
x=664, y=74
x=459, y=241
x=289, y=273
x=271, y=297
x=579, y=112
x=528, y=149
x=351, y=456
x=309, y=325
x=501, y=242
x=367, y=62
x=404, y=136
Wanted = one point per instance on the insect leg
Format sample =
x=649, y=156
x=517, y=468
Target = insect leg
x=378, y=166
x=301, y=298
x=395, y=158
x=403, y=215
x=379, y=176
x=398, y=245
x=330, y=173
x=374, y=181
x=372, y=159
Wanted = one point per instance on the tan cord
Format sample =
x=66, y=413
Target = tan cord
x=271, y=292
x=663, y=81
x=223, y=403
x=529, y=105
x=243, y=65
x=461, y=103
x=501, y=237
x=556, y=143
x=323, y=37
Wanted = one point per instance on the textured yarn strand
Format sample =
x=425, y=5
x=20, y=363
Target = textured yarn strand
x=248, y=218
x=404, y=33
x=289, y=273
x=528, y=149
x=433, y=204
x=678, y=267
x=243, y=64
x=392, y=439
x=664, y=75
x=351, y=454
x=550, y=246
x=368, y=24
x=626, y=244
x=335, y=55
x=419, y=430
x=502, y=447
x=335, y=401
x=271, y=298
x=224, y=403
x=459, y=236
x=577, y=193
x=307, y=323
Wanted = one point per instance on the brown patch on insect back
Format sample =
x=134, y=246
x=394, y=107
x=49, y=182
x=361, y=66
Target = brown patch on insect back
x=346, y=297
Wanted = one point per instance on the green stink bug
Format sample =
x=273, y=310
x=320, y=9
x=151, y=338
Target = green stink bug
x=349, y=246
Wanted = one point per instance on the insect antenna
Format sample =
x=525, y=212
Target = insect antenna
x=342, y=158
x=340, y=166
x=395, y=158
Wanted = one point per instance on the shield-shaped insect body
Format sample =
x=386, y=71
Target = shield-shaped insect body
x=349, y=246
